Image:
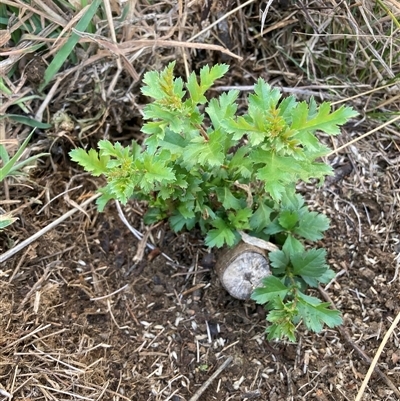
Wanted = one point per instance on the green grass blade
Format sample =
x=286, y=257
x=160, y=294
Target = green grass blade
x=392, y=16
x=4, y=156
x=22, y=100
x=66, y=50
x=24, y=163
x=5, y=170
x=19, y=102
x=6, y=220
x=31, y=122
x=4, y=88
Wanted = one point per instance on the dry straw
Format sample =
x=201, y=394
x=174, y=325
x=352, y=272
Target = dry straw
x=376, y=357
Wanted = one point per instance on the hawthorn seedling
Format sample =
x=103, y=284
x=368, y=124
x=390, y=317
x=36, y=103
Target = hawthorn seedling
x=202, y=164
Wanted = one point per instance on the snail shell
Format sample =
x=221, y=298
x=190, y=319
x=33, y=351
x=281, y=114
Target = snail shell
x=241, y=269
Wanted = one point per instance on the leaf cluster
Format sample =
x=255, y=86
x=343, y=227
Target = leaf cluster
x=204, y=164
x=283, y=294
x=294, y=269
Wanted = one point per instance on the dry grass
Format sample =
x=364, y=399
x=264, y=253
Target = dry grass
x=344, y=52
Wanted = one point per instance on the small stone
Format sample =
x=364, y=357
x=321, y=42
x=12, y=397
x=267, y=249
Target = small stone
x=191, y=347
x=367, y=273
x=158, y=289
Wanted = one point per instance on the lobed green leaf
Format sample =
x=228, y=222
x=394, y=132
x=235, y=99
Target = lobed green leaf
x=228, y=200
x=178, y=222
x=284, y=328
x=240, y=218
x=279, y=259
x=288, y=219
x=91, y=161
x=271, y=290
x=220, y=235
x=154, y=171
x=311, y=225
x=306, y=121
x=292, y=246
x=206, y=151
x=315, y=313
x=282, y=318
x=261, y=218
x=277, y=173
x=209, y=76
x=222, y=109
x=309, y=265
x=264, y=97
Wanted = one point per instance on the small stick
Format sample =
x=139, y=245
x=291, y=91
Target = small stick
x=376, y=357
x=110, y=295
x=193, y=289
x=363, y=355
x=135, y=232
x=204, y=387
x=46, y=101
x=37, y=284
x=20, y=262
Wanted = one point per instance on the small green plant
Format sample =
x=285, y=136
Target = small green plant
x=12, y=167
x=6, y=220
x=203, y=164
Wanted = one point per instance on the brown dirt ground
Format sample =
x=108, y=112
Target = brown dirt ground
x=83, y=318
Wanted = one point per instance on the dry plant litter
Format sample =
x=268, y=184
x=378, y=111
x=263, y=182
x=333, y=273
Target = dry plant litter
x=77, y=319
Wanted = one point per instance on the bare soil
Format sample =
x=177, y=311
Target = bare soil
x=81, y=320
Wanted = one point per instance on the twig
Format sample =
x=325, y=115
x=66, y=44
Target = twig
x=110, y=295
x=363, y=355
x=204, y=387
x=19, y=264
x=303, y=90
x=44, y=230
x=138, y=44
x=46, y=101
x=57, y=196
x=135, y=232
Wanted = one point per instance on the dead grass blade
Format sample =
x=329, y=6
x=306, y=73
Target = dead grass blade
x=220, y=19
x=364, y=135
x=53, y=17
x=376, y=357
x=44, y=230
x=139, y=43
x=27, y=44
x=110, y=21
x=30, y=334
x=114, y=49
